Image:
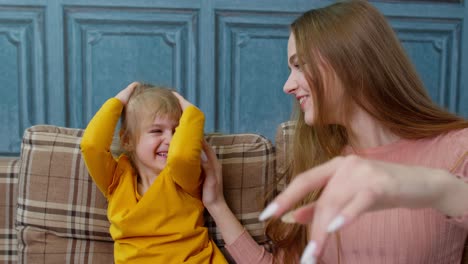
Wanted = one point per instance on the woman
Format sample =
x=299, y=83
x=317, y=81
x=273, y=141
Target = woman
x=373, y=156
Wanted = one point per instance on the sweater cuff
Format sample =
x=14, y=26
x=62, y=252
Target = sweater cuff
x=245, y=250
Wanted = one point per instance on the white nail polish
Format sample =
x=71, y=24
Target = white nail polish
x=288, y=218
x=336, y=224
x=309, y=261
x=268, y=212
x=308, y=254
x=203, y=156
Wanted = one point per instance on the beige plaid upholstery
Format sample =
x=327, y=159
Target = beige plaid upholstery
x=248, y=162
x=61, y=216
x=9, y=168
x=283, y=141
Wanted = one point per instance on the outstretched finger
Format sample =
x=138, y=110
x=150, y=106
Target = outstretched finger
x=302, y=215
x=300, y=187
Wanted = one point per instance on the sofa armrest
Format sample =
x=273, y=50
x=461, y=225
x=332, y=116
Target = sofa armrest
x=9, y=168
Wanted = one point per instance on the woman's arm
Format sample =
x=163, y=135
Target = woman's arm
x=239, y=243
x=353, y=185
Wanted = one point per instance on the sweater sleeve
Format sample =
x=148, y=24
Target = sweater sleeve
x=460, y=169
x=96, y=142
x=184, y=160
x=245, y=250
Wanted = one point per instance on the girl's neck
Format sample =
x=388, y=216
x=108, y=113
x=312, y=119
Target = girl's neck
x=144, y=183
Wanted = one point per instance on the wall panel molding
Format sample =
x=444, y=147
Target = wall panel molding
x=86, y=29
x=245, y=79
x=434, y=46
x=22, y=73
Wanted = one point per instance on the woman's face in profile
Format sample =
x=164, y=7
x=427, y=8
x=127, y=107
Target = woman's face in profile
x=297, y=86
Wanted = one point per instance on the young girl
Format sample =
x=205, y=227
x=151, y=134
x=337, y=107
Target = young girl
x=154, y=188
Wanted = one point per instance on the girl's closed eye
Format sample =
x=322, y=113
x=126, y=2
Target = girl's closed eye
x=156, y=131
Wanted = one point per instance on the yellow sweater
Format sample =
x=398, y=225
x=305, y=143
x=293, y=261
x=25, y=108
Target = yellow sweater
x=166, y=224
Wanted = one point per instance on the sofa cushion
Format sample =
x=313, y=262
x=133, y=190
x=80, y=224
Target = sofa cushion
x=61, y=214
x=9, y=168
x=283, y=142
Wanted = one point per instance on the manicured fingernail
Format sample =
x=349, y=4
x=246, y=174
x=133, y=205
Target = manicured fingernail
x=268, y=212
x=336, y=224
x=308, y=255
x=288, y=218
x=203, y=156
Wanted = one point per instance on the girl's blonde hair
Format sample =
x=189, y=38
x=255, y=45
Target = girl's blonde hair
x=353, y=40
x=145, y=104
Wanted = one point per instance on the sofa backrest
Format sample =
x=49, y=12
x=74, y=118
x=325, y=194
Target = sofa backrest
x=61, y=215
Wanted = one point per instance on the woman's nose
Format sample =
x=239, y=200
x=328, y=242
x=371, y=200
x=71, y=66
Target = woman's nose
x=290, y=85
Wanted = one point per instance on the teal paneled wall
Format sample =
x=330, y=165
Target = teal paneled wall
x=61, y=59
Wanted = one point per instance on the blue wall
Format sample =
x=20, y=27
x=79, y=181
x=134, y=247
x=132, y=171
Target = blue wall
x=61, y=59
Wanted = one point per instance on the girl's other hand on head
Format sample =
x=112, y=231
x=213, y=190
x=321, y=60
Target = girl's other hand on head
x=183, y=103
x=125, y=94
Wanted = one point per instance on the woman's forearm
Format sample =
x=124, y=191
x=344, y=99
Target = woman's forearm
x=226, y=221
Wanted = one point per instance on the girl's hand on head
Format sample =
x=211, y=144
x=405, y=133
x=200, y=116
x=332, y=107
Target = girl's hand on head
x=183, y=103
x=213, y=184
x=353, y=186
x=125, y=94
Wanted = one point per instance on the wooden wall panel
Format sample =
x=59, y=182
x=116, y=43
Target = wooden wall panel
x=22, y=100
x=252, y=68
x=433, y=45
x=106, y=48
x=61, y=59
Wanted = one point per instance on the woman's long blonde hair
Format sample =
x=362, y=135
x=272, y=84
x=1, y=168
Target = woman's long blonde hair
x=356, y=42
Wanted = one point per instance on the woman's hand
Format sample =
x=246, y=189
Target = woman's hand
x=353, y=185
x=213, y=198
x=125, y=94
x=213, y=184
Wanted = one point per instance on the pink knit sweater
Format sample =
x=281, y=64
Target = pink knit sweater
x=398, y=235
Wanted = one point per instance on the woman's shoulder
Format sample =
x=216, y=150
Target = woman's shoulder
x=457, y=137
x=453, y=143
x=459, y=142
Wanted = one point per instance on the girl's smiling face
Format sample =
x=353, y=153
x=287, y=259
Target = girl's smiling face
x=153, y=144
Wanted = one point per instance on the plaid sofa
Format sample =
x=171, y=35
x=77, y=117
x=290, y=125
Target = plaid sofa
x=52, y=212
